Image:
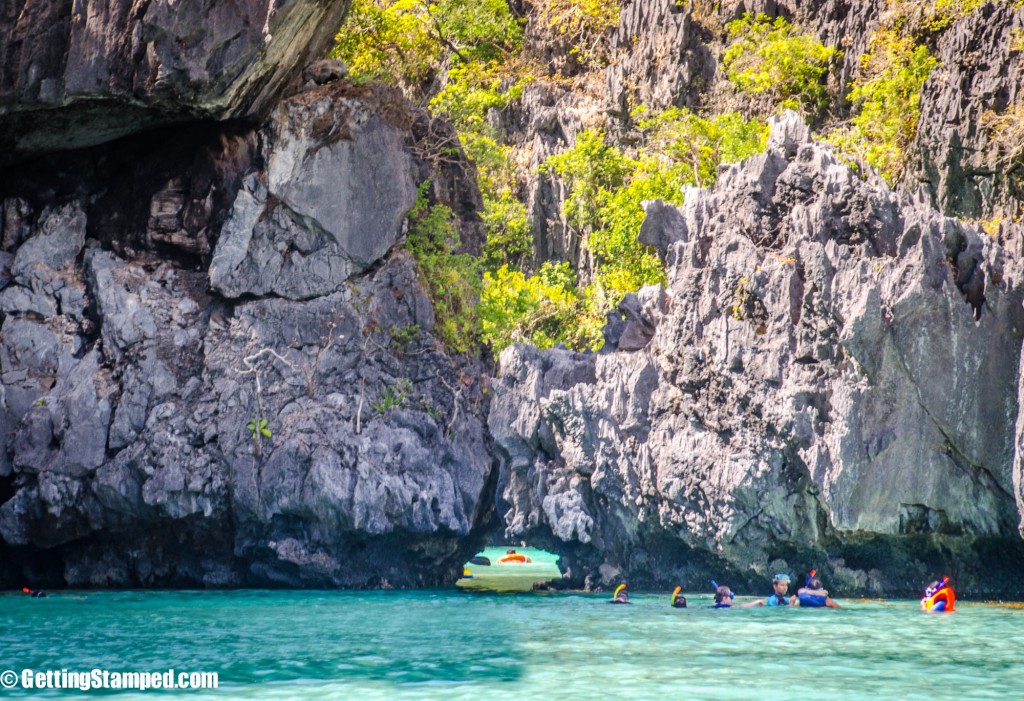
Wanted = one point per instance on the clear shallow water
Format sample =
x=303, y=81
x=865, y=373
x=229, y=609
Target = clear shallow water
x=454, y=645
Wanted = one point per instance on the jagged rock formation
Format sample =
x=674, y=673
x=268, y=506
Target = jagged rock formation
x=831, y=363
x=830, y=379
x=128, y=383
x=980, y=70
x=75, y=74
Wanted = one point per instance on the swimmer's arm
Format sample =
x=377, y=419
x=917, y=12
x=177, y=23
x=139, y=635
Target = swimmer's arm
x=759, y=602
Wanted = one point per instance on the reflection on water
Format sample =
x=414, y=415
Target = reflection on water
x=453, y=645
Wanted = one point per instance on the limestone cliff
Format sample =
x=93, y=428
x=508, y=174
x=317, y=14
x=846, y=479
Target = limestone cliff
x=830, y=372
x=219, y=367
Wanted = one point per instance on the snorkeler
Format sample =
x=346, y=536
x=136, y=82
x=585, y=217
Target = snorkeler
x=723, y=596
x=621, y=596
x=939, y=597
x=34, y=593
x=780, y=584
x=813, y=595
x=678, y=601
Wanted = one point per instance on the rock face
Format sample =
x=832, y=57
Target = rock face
x=300, y=232
x=76, y=74
x=284, y=417
x=830, y=366
x=661, y=57
x=980, y=70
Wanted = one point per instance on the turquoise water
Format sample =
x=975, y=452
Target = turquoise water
x=451, y=645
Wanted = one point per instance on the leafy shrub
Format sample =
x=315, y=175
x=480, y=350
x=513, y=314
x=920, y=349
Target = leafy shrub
x=774, y=58
x=452, y=278
x=607, y=189
x=509, y=240
x=584, y=24
x=393, y=397
x=543, y=310
x=886, y=94
x=408, y=41
x=699, y=145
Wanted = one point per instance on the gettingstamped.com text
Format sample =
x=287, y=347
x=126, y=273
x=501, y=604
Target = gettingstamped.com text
x=105, y=679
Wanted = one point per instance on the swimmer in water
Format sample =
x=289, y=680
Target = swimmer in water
x=723, y=596
x=814, y=595
x=34, y=593
x=678, y=601
x=621, y=596
x=779, y=597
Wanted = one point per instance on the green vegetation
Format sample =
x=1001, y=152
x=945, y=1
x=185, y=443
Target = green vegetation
x=452, y=278
x=886, y=94
x=544, y=309
x=1006, y=135
x=584, y=24
x=393, y=397
x=920, y=19
x=774, y=58
x=257, y=428
x=408, y=42
x=607, y=188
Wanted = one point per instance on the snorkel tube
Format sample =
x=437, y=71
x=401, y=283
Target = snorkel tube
x=810, y=578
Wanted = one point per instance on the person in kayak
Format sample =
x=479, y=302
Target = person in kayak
x=814, y=595
x=779, y=597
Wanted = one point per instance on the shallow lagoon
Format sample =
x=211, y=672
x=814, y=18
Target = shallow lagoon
x=448, y=644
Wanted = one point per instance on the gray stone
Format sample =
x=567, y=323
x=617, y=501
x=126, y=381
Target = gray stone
x=56, y=243
x=304, y=232
x=830, y=361
x=80, y=78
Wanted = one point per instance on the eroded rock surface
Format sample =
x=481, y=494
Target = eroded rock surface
x=76, y=74
x=284, y=416
x=833, y=363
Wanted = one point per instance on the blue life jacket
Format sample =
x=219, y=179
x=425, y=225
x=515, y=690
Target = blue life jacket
x=811, y=600
x=777, y=600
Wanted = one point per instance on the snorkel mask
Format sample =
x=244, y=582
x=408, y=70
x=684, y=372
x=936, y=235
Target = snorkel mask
x=714, y=585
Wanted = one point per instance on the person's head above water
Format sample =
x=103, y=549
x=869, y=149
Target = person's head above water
x=678, y=600
x=936, y=587
x=780, y=583
x=724, y=596
x=621, y=596
x=814, y=583
x=510, y=551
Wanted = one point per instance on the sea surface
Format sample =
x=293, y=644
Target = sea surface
x=451, y=644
